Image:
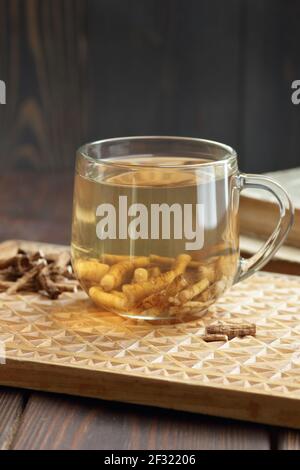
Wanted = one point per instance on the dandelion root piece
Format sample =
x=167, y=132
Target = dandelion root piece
x=176, y=286
x=232, y=330
x=62, y=261
x=114, y=259
x=153, y=312
x=4, y=285
x=24, y=280
x=157, y=285
x=181, y=263
x=37, y=272
x=116, y=292
x=162, y=298
x=214, y=337
x=154, y=272
x=166, y=262
x=6, y=263
x=207, y=294
x=191, y=292
x=207, y=272
x=221, y=286
x=193, y=304
x=91, y=270
x=154, y=300
x=47, y=284
x=107, y=300
x=137, y=292
x=213, y=291
x=121, y=272
x=140, y=275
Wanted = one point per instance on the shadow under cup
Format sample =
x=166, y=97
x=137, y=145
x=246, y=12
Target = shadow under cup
x=155, y=233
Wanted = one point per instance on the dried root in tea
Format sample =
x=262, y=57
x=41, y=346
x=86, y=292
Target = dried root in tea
x=155, y=286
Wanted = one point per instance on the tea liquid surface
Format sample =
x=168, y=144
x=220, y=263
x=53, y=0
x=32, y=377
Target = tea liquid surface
x=154, y=186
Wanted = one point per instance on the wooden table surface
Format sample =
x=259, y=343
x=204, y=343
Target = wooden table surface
x=39, y=207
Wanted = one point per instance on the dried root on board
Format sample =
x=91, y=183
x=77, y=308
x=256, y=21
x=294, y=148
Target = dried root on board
x=225, y=331
x=232, y=329
x=156, y=286
x=50, y=274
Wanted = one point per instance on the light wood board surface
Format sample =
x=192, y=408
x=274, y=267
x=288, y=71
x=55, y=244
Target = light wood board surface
x=69, y=346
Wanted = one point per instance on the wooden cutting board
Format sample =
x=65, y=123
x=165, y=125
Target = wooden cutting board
x=69, y=346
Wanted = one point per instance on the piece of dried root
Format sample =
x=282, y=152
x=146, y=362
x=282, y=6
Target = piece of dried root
x=107, y=300
x=91, y=270
x=232, y=329
x=140, y=275
x=214, y=337
x=36, y=272
x=121, y=272
x=190, y=292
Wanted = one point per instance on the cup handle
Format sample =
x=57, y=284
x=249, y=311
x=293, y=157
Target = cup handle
x=286, y=218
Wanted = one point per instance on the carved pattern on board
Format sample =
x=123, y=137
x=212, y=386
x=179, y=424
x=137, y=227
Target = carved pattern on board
x=71, y=331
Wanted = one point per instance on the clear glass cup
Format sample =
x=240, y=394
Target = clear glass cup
x=155, y=225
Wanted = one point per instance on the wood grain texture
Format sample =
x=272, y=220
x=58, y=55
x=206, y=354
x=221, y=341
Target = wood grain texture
x=207, y=91
x=129, y=51
x=269, y=137
x=36, y=206
x=288, y=440
x=11, y=407
x=43, y=61
x=165, y=68
x=52, y=422
x=79, y=70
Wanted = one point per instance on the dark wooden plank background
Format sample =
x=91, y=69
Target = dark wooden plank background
x=78, y=70
x=55, y=422
x=43, y=62
x=272, y=62
x=12, y=404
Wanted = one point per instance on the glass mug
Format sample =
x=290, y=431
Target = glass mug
x=155, y=225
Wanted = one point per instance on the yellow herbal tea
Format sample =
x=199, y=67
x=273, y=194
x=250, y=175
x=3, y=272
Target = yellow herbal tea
x=155, y=237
